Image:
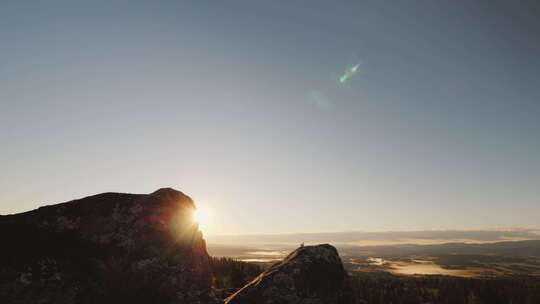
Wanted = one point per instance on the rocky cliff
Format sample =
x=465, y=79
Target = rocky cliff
x=142, y=248
x=111, y=247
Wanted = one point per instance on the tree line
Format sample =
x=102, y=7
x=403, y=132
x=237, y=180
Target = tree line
x=384, y=288
x=390, y=289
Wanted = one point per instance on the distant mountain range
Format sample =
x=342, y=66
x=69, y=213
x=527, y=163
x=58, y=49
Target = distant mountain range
x=509, y=248
x=374, y=238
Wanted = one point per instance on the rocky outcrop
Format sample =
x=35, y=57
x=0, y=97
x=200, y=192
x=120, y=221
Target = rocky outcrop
x=308, y=275
x=110, y=247
x=142, y=248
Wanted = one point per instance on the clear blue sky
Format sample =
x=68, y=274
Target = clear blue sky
x=238, y=104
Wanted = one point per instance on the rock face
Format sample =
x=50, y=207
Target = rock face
x=308, y=275
x=110, y=247
x=142, y=248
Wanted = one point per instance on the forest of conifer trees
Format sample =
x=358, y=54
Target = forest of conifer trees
x=372, y=288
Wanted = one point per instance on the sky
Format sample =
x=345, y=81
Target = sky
x=239, y=104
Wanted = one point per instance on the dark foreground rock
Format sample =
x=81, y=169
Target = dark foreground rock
x=111, y=247
x=308, y=275
x=143, y=248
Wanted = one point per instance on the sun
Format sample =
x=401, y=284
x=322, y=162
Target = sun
x=202, y=217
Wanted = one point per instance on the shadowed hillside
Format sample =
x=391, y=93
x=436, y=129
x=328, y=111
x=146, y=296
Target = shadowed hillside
x=146, y=248
x=106, y=248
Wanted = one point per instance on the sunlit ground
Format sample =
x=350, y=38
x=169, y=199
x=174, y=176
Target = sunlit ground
x=421, y=267
x=202, y=217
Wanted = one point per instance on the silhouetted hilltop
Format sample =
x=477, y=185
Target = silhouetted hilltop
x=104, y=248
x=142, y=248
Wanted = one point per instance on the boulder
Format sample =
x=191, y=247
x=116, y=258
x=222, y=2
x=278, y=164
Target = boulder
x=110, y=247
x=308, y=275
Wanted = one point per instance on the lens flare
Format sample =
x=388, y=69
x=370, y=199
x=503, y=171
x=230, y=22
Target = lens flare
x=349, y=73
x=320, y=99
